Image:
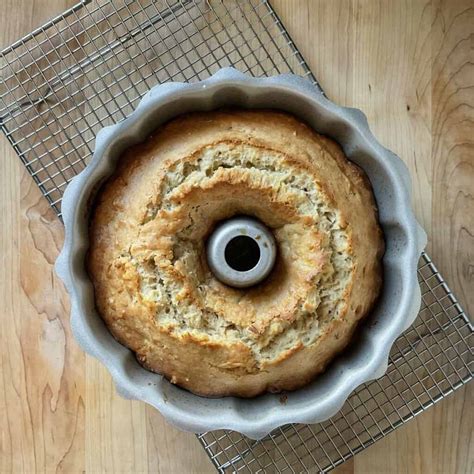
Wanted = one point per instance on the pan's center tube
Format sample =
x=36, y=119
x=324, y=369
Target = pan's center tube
x=241, y=252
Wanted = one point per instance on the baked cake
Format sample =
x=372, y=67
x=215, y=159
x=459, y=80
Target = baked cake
x=147, y=256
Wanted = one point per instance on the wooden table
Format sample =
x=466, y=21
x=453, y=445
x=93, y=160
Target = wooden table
x=410, y=66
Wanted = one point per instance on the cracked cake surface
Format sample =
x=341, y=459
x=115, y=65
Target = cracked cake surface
x=147, y=257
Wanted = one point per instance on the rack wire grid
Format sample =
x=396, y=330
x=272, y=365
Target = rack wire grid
x=88, y=68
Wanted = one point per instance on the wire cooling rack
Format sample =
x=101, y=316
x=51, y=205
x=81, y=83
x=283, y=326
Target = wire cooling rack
x=89, y=67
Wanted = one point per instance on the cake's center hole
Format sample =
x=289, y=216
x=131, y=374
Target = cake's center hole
x=242, y=253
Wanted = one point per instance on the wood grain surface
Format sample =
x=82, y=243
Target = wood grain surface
x=409, y=64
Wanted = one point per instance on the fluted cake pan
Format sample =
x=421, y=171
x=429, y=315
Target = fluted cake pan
x=367, y=356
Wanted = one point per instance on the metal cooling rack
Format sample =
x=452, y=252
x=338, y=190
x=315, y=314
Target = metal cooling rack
x=88, y=68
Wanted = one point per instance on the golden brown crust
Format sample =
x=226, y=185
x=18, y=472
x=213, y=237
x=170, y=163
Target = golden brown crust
x=152, y=284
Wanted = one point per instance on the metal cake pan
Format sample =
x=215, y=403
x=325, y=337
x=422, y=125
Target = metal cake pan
x=367, y=356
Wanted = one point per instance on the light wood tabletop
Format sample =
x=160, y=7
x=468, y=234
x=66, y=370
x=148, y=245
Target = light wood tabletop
x=409, y=65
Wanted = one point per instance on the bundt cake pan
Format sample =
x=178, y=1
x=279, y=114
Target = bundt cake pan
x=367, y=356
